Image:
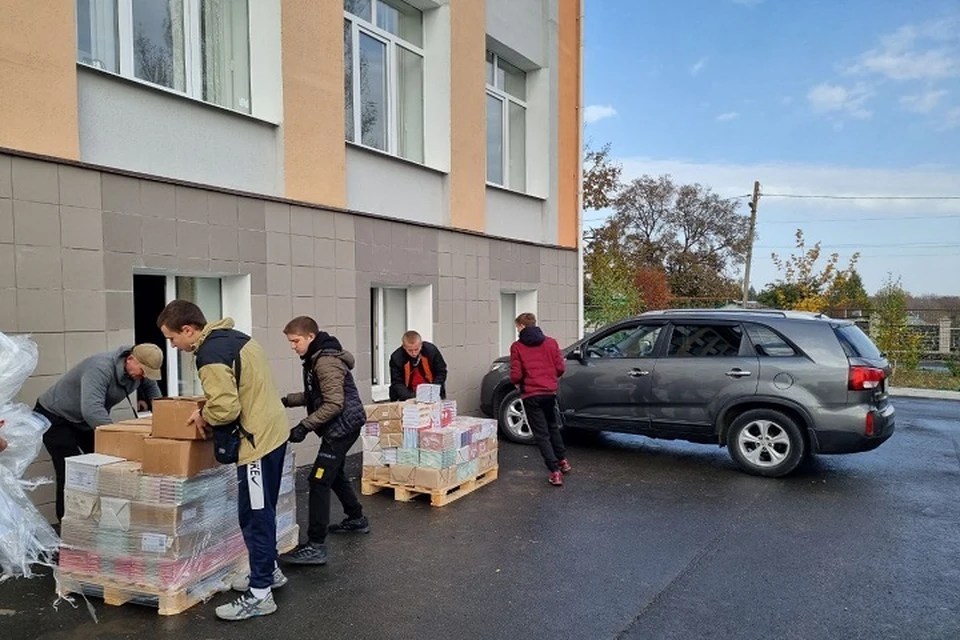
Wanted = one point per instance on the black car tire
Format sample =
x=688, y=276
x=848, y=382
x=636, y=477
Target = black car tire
x=759, y=436
x=507, y=418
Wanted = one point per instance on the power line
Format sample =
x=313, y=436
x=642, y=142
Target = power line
x=913, y=245
x=855, y=219
x=832, y=197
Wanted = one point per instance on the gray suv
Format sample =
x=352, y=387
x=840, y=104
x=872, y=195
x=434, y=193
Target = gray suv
x=771, y=386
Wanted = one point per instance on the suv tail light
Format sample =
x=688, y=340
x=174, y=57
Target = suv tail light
x=865, y=378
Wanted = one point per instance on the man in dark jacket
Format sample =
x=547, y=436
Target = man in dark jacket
x=82, y=399
x=416, y=362
x=336, y=415
x=535, y=366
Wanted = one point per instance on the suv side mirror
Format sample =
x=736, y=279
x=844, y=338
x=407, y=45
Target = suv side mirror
x=576, y=354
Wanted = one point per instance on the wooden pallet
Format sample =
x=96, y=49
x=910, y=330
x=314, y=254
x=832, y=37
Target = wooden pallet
x=167, y=603
x=438, y=497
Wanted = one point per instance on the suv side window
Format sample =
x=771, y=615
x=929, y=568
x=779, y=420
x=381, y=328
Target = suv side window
x=629, y=342
x=767, y=342
x=704, y=341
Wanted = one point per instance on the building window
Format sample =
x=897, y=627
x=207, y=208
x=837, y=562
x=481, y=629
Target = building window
x=200, y=48
x=506, y=124
x=393, y=312
x=512, y=304
x=383, y=76
x=216, y=297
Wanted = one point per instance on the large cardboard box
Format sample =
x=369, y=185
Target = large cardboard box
x=122, y=440
x=386, y=411
x=402, y=474
x=182, y=458
x=391, y=440
x=171, y=416
x=487, y=461
x=435, y=478
x=377, y=474
x=165, y=518
x=83, y=472
x=120, y=480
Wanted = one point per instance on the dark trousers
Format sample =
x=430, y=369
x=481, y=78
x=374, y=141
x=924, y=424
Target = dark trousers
x=542, y=417
x=62, y=440
x=327, y=474
x=259, y=489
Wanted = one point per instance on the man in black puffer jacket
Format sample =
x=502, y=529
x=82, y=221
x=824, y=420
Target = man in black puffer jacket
x=336, y=414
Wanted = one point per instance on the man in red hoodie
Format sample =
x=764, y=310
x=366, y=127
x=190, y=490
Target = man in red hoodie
x=535, y=366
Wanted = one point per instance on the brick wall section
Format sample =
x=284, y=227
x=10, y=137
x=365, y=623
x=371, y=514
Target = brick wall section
x=71, y=238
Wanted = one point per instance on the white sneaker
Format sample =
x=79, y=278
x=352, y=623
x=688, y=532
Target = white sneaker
x=243, y=582
x=247, y=606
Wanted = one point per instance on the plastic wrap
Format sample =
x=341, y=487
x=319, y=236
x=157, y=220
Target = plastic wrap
x=25, y=536
x=161, y=541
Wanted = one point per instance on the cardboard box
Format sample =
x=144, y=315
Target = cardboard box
x=121, y=480
x=377, y=474
x=371, y=429
x=182, y=458
x=79, y=504
x=428, y=393
x=435, y=478
x=370, y=443
x=438, y=439
x=391, y=455
x=386, y=411
x=373, y=458
x=123, y=440
x=391, y=440
x=83, y=472
x=463, y=454
x=114, y=514
x=171, y=416
x=165, y=518
x=402, y=474
x=488, y=460
x=391, y=427
x=139, y=422
x=408, y=457
x=449, y=413
x=422, y=415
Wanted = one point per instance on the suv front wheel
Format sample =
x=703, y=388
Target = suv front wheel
x=512, y=419
x=765, y=442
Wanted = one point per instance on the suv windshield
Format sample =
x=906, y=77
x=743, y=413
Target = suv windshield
x=856, y=343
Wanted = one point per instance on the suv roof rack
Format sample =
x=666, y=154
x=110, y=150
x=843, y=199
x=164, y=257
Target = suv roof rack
x=762, y=312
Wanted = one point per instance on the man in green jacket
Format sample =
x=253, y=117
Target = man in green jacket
x=254, y=403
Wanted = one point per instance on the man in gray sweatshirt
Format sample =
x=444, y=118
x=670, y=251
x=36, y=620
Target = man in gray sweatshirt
x=82, y=399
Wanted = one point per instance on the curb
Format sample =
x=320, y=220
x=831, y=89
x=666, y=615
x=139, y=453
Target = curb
x=930, y=394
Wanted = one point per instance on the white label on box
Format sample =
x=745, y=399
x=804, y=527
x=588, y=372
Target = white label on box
x=188, y=514
x=153, y=543
x=82, y=478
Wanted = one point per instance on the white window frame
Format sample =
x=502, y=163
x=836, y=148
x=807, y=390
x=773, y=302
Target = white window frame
x=419, y=318
x=505, y=100
x=235, y=302
x=525, y=302
x=192, y=48
x=357, y=26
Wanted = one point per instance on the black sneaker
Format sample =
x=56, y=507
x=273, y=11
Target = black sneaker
x=308, y=553
x=354, y=525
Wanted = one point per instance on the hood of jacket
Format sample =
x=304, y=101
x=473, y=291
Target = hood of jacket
x=226, y=323
x=327, y=345
x=120, y=365
x=532, y=336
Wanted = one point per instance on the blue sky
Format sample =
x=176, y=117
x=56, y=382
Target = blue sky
x=810, y=97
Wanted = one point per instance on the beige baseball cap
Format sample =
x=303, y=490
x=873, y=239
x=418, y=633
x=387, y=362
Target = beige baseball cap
x=151, y=357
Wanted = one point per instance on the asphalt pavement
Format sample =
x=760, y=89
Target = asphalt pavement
x=647, y=539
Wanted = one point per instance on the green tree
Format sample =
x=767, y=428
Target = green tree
x=805, y=285
x=894, y=335
x=601, y=177
x=611, y=295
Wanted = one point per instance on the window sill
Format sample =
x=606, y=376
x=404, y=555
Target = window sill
x=522, y=194
x=171, y=92
x=390, y=156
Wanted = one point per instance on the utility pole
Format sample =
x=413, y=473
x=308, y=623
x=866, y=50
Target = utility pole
x=753, y=228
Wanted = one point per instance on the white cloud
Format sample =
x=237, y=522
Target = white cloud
x=914, y=52
x=832, y=98
x=924, y=269
x=923, y=102
x=596, y=112
x=698, y=67
x=726, y=117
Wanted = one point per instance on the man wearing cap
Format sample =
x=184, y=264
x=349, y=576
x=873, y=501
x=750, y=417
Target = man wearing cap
x=82, y=399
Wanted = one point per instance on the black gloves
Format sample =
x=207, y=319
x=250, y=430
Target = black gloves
x=284, y=402
x=299, y=433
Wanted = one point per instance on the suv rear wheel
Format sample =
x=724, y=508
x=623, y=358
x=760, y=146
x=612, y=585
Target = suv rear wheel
x=765, y=442
x=511, y=419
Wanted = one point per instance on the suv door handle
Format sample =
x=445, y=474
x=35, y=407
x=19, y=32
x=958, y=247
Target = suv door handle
x=738, y=373
x=638, y=373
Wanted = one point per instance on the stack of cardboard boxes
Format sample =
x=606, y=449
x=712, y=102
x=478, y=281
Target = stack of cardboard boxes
x=424, y=443
x=152, y=514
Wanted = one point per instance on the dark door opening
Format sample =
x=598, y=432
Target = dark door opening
x=149, y=299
